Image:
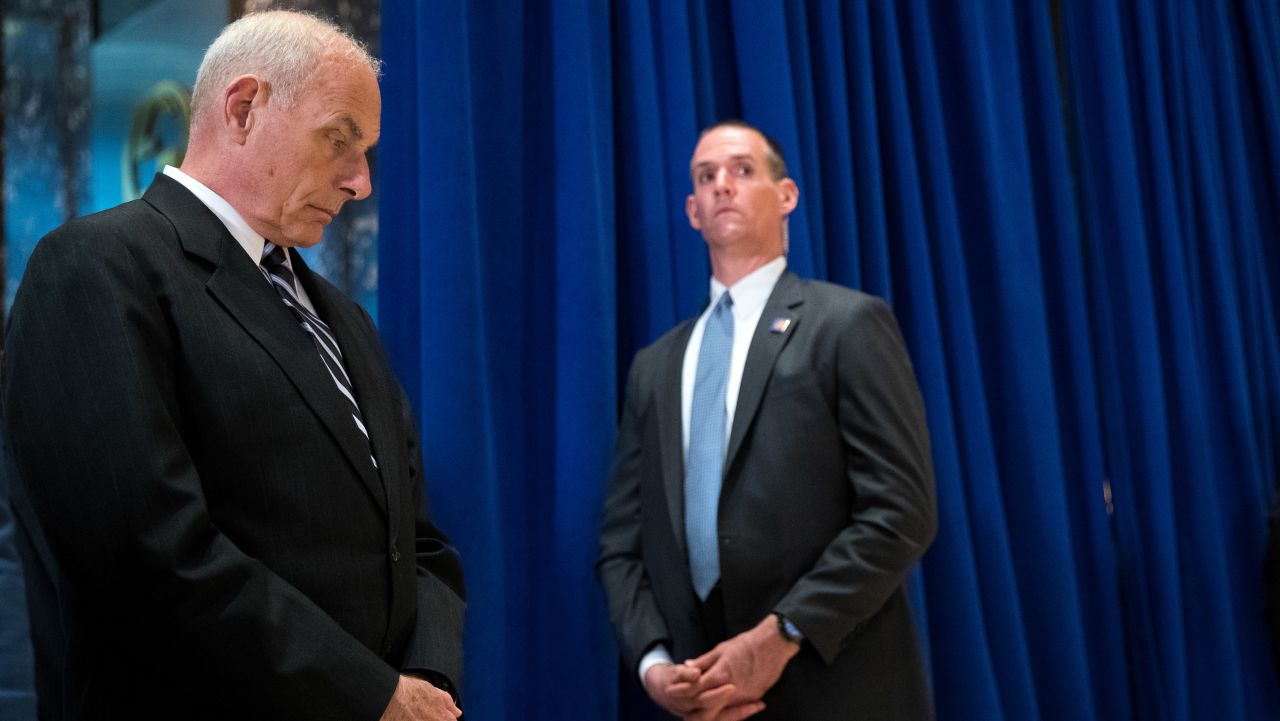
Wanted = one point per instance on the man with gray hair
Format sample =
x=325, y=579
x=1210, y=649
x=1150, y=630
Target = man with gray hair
x=220, y=495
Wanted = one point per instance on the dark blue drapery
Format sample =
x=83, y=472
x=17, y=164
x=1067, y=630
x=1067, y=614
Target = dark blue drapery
x=1075, y=218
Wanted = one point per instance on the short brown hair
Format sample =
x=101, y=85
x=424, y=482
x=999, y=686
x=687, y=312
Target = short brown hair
x=777, y=165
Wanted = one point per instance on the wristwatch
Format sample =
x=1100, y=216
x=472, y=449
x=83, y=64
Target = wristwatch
x=789, y=630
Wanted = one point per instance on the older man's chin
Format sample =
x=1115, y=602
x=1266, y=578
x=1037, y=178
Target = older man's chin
x=304, y=235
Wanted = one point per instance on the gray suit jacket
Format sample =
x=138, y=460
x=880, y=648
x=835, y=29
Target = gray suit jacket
x=210, y=538
x=827, y=501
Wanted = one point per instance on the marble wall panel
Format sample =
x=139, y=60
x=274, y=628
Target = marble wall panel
x=46, y=111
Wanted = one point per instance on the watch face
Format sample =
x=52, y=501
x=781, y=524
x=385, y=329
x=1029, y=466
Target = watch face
x=789, y=629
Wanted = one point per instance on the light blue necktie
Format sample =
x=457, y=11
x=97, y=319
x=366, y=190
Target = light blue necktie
x=704, y=466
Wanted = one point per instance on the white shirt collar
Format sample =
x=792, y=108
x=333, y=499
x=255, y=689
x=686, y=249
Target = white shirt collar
x=751, y=291
x=236, y=224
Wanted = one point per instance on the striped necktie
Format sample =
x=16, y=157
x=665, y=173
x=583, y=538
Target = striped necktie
x=277, y=271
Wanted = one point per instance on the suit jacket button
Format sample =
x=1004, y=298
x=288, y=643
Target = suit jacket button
x=395, y=554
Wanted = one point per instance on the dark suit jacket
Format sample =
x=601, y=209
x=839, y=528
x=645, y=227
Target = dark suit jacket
x=211, y=539
x=827, y=501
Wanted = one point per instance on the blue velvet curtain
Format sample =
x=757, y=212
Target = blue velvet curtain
x=1075, y=219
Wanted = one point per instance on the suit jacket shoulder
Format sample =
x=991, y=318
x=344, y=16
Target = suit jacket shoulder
x=664, y=342
x=649, y=362
x=133, y=229
x=822, y=296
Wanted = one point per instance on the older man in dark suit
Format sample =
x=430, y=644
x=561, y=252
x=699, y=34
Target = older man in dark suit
x=217, y=462
x=772, y=484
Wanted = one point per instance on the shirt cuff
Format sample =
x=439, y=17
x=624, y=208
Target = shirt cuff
x=658, y=654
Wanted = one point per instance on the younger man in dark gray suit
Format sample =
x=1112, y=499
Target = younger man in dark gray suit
x=218, y=470
x=772, y=484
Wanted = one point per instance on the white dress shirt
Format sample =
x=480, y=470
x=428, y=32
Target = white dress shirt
x=749, y=296
x=236, y=225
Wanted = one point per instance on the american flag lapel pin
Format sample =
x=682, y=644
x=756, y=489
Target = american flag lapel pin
x=780, y=325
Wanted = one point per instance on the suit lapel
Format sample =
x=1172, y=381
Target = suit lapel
x=671, y=428
x=238, y=285
x=784, y=302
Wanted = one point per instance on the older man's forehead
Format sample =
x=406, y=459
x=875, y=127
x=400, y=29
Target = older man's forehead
x=350, y=101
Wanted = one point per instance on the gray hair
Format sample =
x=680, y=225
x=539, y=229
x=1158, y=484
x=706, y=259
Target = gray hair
x=283, y=48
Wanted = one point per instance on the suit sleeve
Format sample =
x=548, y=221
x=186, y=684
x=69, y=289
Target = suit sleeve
x=890, y=471
x=620, y=568
x=90, y=388
x=435, y=648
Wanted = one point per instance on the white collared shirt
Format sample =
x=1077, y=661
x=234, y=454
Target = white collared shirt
x=749, y=296
x=246, y=236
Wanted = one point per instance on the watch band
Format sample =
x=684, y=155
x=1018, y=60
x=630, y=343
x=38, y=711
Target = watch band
x=789, y=630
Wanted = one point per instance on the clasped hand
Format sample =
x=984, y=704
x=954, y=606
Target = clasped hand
x=726, y=683
x=417, y=700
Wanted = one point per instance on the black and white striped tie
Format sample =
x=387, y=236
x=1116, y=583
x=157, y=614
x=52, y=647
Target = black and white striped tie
x=277, y=271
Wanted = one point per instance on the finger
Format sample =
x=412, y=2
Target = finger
x=712, y=678
x=680, y=707
x=684, y=672
x=705, y=661
x=654, y=679
x=684, y=689
x=716, y=698
x=446, y=700
x=740, y=711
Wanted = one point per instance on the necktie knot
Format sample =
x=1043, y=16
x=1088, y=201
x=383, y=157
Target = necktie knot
x=275, y=264
x=272, y=255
